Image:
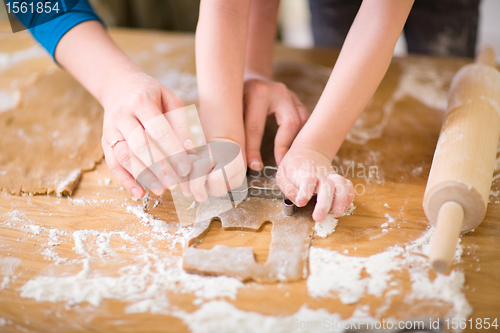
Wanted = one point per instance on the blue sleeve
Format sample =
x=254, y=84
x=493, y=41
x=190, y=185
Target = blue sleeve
x=50, y=33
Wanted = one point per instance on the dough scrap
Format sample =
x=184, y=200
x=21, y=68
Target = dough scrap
x=288, y=251
x=50, y=127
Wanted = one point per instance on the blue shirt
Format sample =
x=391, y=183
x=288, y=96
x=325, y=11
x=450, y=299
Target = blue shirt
x=50, y=33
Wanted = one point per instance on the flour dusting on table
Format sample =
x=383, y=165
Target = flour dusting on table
x=333, y=274
x=9, y=100
x=420, y=81
x=10, y=59
x=144, y=283
x=327, y=227
x=223, y=317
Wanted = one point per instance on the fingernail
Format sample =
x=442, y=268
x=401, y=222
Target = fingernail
x=339, y=209
x=188, y=144
x=156, y=188
x=136, y=192
x=201, y=198
x=319, y=218
x=256, y=165
x=183, y=168
x=171, y=182
x=158, y=192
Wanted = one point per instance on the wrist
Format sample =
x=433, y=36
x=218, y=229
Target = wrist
x=228, y=137
x=236, y=140
x=116, y=82
x=222, y=122
x=253, y=75
x=299, y=147
x=318, y=142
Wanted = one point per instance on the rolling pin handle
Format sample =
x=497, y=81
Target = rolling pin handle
x=444, y=241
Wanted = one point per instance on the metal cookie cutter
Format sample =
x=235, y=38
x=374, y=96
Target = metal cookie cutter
x=288, y=206
x=262, y=184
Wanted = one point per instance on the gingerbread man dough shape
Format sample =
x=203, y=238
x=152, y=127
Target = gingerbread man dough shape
x=288, y=251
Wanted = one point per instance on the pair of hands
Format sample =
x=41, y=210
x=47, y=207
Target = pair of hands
x=142, y=127
x=147, y=143
x=302, y=171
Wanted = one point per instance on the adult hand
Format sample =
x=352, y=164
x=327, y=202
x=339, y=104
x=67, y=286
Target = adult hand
x=303, y=172
x=216, y=168
x=263, y=97
x=144, y=137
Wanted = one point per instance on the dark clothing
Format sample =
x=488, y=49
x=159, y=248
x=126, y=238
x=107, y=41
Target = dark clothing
x=436, y=27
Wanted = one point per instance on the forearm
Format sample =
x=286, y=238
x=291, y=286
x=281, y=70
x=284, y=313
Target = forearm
x=261, y=38
x=363, y=62
x=89, y=54
x=220, y=56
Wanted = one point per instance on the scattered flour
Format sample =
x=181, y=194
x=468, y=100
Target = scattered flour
x=420, y=81
x=417, y=171
x=332, y=273
x=367, y=169
x=36, y=229
x=163, y=48
x=50, y=254
x=8, y=267
x=144, y=283
x=147, y=219
x=327, y=227
x=155, y=273
x=184, y=85
x=10, y=59
x=493, y=194
x=335, y=275
x=223, y=317
x=390, y=219
x=16, y=216
x=9, y=100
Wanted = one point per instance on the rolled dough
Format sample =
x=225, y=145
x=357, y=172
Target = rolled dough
x=288, y=251
x=50, y=137
x=50, y=127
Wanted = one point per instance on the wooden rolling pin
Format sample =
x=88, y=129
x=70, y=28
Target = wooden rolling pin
x=460, y=179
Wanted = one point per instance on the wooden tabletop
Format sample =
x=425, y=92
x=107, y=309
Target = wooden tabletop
x=401, y=155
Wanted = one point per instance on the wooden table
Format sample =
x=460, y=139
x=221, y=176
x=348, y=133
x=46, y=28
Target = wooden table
x=402, y=155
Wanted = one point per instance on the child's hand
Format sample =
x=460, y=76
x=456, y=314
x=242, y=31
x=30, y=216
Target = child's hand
x=216, y=167
x=304, y=172
x=263, y=97
x=135, y=108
